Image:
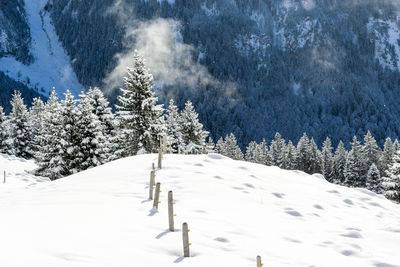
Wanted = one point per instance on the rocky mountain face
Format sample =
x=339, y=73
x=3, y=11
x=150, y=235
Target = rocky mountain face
x=328, y=68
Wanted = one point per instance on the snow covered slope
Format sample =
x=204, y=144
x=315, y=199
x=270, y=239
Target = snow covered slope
x=17, y=173
x=51, y=65
x=235, y=210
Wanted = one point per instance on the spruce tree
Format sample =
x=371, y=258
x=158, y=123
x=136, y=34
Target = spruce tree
x=210, y=145
x=71, y=155
x=315, y=158
x=3, y=131
x=387, y=156
x=95, y=102
x=193, y=134
x=396, y=145
x=391, y=183
x=94, y=146
x=140, y=118
x=232, y=150
x=36, y=114
x=371, y=152
x=339, y=163
x=304, y=154
x=48, y=154
x=374, y=179
x=354, y=168
x=291, y=157
x=173, y=125
x=251, y=152
x=220, y=146
x=277, y=151
x=327, y=160
x=20, y=134
x=262, y=153
x=100, y=107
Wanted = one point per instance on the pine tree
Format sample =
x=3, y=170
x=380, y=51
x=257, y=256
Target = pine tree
x=387, y=156
x=94, y=146
x=277, y=151
x=232, y=150
x=304, y=154
x=71, y=155
x=220, y=146
x=339, y=163
x=396, y=145
x=140, y=119
x=327, y=160
x=391, y=183
x=193, y=134
x=3, y=131
x=210, y=145
x=36, y=114
x=354, y=166
x=315, y=158
x=173, y=125
x=20, y=135
x=291, y=157
x=95, y=102
x=48, y=155
x=371, y=152
x=100, y=107
x=251, y=152
x=262, y=154
x=374, y=179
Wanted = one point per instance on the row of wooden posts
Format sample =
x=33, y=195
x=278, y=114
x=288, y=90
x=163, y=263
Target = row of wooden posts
x=171, y=215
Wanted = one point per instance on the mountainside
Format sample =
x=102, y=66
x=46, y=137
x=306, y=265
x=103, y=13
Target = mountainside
x=235, y=211
x=30, y=52
x=328, y=68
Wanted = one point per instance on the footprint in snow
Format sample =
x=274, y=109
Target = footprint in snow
x=293, y=212
x=348, y=201
x=352, y=234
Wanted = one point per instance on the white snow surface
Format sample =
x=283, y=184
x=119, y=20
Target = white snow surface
x=235, y=210
x=52, y=66
x=18, y=173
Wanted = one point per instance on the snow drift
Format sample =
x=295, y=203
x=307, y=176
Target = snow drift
x=235, y=210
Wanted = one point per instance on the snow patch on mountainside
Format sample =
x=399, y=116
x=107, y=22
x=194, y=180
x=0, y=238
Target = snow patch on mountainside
x=235, y=211
x=303, y=34
x=253, y=43
x=51, y=66
x=210, y=10
x=386, y=35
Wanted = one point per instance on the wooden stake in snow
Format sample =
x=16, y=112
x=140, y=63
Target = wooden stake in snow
x=153, y=166
x=171, y=211
x=259, y=264
x=157, y=196
x=151, y=185
x=160, y=158
x=4, y=177
x=185, y=236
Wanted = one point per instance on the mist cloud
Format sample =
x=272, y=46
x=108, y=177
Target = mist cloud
x=168, y=58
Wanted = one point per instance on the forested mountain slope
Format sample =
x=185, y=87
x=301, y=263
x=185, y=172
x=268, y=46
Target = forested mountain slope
x=316, y=66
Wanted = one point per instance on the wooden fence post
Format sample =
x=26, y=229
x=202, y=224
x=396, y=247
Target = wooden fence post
x=151, y=185
x=160, y=158
x=157, y=196
x=171, y=211
x=259, y=264
x=185, y=236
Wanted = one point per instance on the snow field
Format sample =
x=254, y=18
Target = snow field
x=18, y=173
x=236, y=210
